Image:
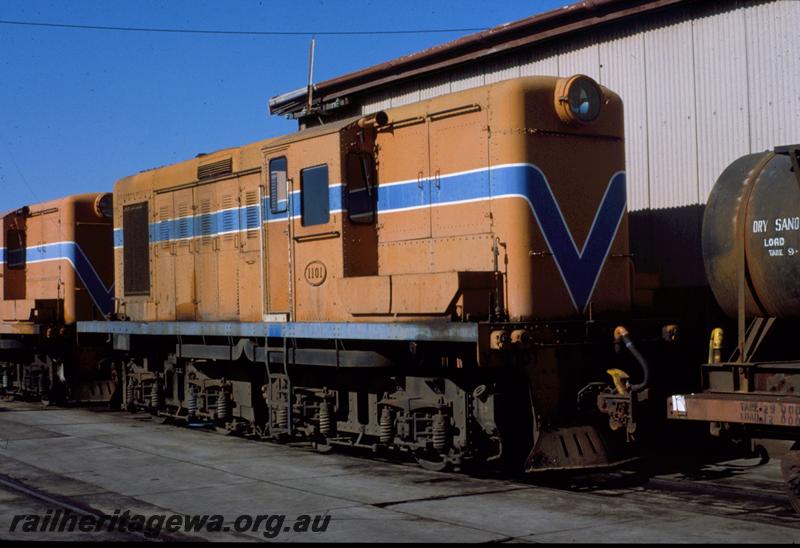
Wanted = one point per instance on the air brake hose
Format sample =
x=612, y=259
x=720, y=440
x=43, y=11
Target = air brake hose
x=621, y=335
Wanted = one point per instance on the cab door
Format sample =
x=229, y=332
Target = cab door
x=277, y=248
x=14, y=278
x=316, y=228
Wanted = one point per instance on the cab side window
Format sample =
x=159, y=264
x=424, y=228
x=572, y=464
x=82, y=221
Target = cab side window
x=315, y=202
x=360, y=187
x=16, y=249
x=278, y=202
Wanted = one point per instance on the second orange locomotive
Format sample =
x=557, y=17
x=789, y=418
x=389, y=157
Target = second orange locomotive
x=55, y=270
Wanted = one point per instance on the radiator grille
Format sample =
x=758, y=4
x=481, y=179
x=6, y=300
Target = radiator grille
x=136, y=249
x=251, y=213
x=228, y=217
x=215, y=169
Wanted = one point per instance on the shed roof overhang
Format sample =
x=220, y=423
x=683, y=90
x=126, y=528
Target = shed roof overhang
x=569, y=19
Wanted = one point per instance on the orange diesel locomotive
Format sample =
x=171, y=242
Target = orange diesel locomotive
x=433, y=278
x=56, y=269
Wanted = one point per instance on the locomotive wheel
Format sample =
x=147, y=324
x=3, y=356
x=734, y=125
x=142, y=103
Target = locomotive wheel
x=55, y=395
x=433, y=462
x=790, y=469
x=163, y=419
x=321, y=446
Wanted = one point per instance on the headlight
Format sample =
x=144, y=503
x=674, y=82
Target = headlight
x=104, y=206
x=578, y=99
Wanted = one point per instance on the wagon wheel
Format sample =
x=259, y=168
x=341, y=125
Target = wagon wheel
x=790, y=468
x=432, y=461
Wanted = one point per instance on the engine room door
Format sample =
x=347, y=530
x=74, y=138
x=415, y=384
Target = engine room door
x=251, y=269
x=164, y=271
x=205, y=253
x=226, y=243
x=185, y=290
x=460, y=193
x=404, y=186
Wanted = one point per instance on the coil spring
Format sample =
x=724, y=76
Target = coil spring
x=191, y=403
x=4, y=379
x=282, y=417
x=155, y=396
x=439, y=432
x=386, y=426
x=324, y=418
x=222, y=405
x=129, y=394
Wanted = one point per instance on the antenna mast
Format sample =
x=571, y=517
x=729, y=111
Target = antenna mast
x=310, y=91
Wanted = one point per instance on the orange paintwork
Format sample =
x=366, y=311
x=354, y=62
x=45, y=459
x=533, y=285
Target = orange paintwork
x=432, y=260
x=48, y=288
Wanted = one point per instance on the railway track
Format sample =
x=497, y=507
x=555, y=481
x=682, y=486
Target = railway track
x=702, y=490
x=758, y=501
x=75, y=506
x=750, y=503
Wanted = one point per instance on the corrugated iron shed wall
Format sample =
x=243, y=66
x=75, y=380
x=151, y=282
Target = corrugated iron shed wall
x=702, y=85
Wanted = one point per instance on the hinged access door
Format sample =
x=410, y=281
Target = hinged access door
x=251, y=260
x=277, y=247
x=404, y=192
x=205, y=252
x=182, y=248
x=164, y=257
x=460, y=192
x=316, y=227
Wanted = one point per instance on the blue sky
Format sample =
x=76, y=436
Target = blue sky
x=81, y=108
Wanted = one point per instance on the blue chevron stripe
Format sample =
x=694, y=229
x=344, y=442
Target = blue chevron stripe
x=102, y=296
x=579, y=268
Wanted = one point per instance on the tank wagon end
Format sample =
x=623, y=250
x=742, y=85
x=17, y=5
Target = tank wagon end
x=751, y=250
